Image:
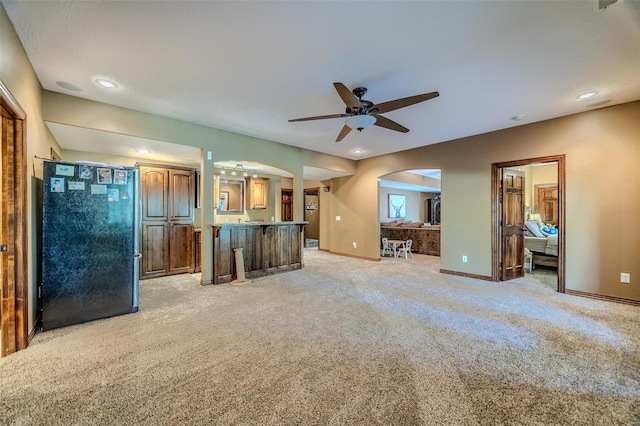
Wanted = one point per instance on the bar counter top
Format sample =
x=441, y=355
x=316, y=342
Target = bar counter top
x=268, y=248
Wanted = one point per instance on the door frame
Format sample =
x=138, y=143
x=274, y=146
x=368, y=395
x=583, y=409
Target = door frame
x=14, y=289
x=496, y=228
x=304, y=213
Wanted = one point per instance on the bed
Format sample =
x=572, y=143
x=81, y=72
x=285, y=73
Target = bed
x=542, y=241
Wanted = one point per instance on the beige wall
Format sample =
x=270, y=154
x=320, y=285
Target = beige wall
x=18, y=76
x=412, y=204
x=602, y=208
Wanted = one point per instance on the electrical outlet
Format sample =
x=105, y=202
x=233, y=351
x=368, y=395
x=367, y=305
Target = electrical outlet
x=625, y=278
x=338, y=218
x=464, y=259
x=355, y=245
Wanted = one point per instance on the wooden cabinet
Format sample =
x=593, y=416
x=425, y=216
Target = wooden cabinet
x=197, y=250
x=167, y=220
x=257, y=196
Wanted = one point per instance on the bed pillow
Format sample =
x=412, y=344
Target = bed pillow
x=548, y=230
x=532, y=226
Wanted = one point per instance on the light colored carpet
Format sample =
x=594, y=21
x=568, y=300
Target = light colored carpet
x=342, y=341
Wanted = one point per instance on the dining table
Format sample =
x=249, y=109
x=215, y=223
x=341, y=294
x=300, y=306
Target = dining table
x=395, y=244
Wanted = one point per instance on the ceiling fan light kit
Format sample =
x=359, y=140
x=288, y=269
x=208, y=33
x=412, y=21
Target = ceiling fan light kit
x=361, y=113
x=360, y=121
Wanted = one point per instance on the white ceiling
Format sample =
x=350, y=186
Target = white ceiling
x=249, y=66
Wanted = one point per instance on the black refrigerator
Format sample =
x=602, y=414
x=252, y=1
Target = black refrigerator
x=90, y=240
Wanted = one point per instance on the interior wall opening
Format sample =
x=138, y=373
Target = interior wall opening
x=409, y=213
x=529, y=226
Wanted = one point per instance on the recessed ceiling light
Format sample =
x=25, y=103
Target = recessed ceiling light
x=587, y=95
x=106, y=83
x=143, y=151
x=358, y=151
x=517, y=117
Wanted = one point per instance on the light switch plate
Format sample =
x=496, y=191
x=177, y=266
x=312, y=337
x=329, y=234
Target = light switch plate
x=625, y=278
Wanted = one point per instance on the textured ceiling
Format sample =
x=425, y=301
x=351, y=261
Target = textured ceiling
x=248, y=67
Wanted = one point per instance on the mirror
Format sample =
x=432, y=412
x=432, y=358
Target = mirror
x=231, y=196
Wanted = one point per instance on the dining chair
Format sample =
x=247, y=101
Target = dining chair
x=406, y=249
x=385, y=247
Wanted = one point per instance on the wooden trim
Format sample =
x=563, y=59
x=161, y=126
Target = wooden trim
x=14, y=293
x=165, y=166
x=10, y=104
x=495, y=213
x=603, y=297
x=467, y=275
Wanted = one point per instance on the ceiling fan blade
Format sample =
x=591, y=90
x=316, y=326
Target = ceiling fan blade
x=344, y=132
x=347, y=96
x=389, y=124
x=401, y=103
x=320, y=117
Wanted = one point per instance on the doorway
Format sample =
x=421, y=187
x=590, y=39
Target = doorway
x=287, y=205
x=312, y=215
x=514, y=208
x=14, y=320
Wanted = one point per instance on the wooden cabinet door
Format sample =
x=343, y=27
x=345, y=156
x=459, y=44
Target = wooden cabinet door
x=180, y=248
x=256, y=193
x=197, y=250
x=260, y=194
x=155, y=249
x=181, y=194
x=167, y=220
x=155, y=193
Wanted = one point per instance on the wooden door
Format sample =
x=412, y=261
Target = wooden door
x=14, y=297
x=167, y=221
x=512, y=262
x=546, y=202
x=154, y=193
x=181, y=194
x=155, y=249
x=180, y=248
x=287, y=205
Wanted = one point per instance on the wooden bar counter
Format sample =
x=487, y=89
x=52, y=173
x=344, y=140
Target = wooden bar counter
x=268, y=248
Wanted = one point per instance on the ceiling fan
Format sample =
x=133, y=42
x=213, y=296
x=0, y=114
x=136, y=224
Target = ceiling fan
x=362, y=113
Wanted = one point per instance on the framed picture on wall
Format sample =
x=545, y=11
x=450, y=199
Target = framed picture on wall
x=396, y=206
